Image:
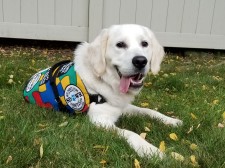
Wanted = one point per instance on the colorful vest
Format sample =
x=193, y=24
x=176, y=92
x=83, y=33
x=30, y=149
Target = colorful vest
x=59, y=88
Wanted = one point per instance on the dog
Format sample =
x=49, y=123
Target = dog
x=114, y=66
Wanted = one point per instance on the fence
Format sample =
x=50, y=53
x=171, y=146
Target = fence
x=176, y=23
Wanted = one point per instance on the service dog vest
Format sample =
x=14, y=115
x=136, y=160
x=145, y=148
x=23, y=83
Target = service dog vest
x=60, y=88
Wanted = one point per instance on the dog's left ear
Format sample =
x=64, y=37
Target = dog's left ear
x=96, y=52
x=157, y=53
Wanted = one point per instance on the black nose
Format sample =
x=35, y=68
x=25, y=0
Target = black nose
x=139, y=62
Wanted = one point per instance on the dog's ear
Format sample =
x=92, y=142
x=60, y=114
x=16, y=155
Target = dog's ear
x=96, y=52
x=157, y=53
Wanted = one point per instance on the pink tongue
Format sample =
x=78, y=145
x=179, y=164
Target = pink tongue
x=124, y=84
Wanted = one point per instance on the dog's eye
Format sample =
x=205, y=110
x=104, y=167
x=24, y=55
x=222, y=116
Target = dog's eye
x=144, y=44
x=121, y=44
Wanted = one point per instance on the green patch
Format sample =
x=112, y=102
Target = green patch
x=191, y=88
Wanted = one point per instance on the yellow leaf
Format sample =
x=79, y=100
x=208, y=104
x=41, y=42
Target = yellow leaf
x=63, y=124
x=193, y=116
x=193, y=146
x=147, y=129
x=144, y=104
x=190, y=130
x=162, y=146
x=10, y=81
x=220, y=125
x=223, y=115
x=215, y=102
x=2, y=117
x=9, y=159
x=136, y=163
x=193, y=160
x=99, y=147
x=177, y=156
x=173, y=136
x=10, y=76
x=41, y=151
x=143, y=135
x=103, y=162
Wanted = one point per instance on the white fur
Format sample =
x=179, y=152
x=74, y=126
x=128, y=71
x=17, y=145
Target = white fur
x=95, y=64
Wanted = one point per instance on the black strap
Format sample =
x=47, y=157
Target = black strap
x=52, y=78
x=97, y=98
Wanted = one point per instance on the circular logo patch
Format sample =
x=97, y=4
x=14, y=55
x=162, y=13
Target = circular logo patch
x=74, y=97
x=33, y=82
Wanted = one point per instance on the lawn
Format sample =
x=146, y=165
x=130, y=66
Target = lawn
x=190, y=86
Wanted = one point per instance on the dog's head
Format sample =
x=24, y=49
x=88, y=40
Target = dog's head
x=128, y=52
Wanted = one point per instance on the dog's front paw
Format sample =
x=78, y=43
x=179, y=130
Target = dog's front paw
x=173, y=122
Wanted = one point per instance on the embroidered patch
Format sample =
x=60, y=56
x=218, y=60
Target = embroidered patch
x=33, y=82
x=74, y=97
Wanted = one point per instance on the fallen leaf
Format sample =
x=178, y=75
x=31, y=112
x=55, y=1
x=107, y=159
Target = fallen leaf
x=143, y=135
x=42, y=125
x=198, y=126
x=144, y=104
x=193, y=160
x=147, y=129
x=103, y=162
x=63, y=124
x=177, y=156
x=215, y=102
x=193, y=146
x=190, y=130
x=41, y=151
x=147, y=84
x=2, y=117
x=10, y=76
x=9, y=159
x=162, y=146
x=220, y=125
x=173, y=136
x=223, y=115
x=136, y=163
x=193, y=116
x=10, y=81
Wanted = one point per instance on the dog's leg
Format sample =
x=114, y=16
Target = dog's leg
x=131, y=109
x=105, y=115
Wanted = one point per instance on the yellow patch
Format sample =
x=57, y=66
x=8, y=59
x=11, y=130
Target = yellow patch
x=42, y=88
x=83, y=89
x=65, y=82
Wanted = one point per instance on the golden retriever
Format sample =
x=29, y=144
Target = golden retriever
x=114, y=66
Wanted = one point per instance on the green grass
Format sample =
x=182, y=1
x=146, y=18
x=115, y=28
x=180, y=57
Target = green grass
x=193, y=84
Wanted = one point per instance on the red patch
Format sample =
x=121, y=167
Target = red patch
x=39, y=101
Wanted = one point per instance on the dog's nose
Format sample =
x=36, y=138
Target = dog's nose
x=139, y=62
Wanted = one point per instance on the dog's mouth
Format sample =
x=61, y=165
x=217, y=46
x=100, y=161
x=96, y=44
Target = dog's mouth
x=132, y=81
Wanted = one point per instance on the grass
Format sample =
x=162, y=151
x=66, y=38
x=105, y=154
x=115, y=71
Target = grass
x=190, y=87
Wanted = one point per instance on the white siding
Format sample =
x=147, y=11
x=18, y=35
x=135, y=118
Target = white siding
x=29, y=11
x=176, y=23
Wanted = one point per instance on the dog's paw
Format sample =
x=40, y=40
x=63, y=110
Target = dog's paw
x=173, y=122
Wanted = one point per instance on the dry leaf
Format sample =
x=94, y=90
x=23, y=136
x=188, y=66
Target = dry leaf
x=147, y=129
x=2, y=117
x=10, y=76
x=193, y=160
x=41, y=151
x=9, y=159
x=103, y=162
x=215, y=102
x=193, y=116
x=173, y=136
x=220, y=125
x=136, y=163
x=42, y=125
x=63, y=124
x=10, y=81
x=162, y=146
x=223, y=115
x=198, y=126
x=144, y=104
x=143, y=135
x=190, y=130
x=193, y=146
x=177, y=156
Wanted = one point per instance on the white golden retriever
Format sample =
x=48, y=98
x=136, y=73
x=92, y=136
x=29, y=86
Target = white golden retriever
x=114, y=65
